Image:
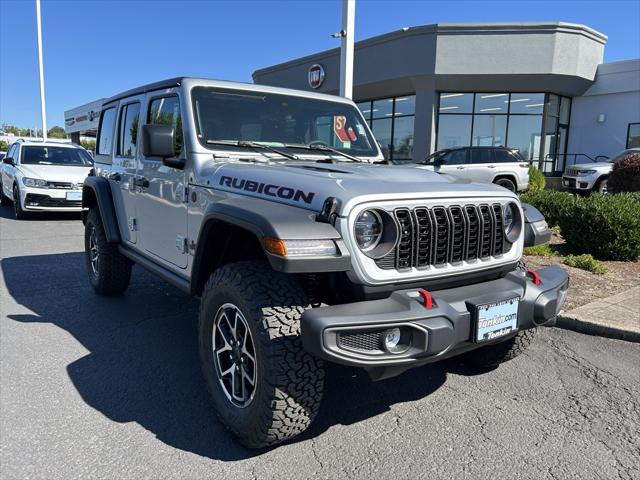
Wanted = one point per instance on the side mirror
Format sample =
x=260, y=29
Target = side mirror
x=438, y=162
x=158, y=141
x=9, y=161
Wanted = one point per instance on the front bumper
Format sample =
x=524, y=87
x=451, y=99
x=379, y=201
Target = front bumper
x=50, y=199
x=583, y=182
x=446, y=329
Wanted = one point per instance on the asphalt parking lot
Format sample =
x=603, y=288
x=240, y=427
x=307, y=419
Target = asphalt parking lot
x=94, y=387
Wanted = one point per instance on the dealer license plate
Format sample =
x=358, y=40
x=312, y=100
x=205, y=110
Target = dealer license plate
x=74, y=195
x=497, y=319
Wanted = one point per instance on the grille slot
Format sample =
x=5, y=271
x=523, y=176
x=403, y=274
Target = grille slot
x=363, y=341
x=441, y=235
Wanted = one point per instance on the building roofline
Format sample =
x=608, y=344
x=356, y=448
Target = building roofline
x=449, y=28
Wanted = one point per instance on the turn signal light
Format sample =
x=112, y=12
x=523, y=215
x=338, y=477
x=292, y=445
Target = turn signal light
x=275, y=246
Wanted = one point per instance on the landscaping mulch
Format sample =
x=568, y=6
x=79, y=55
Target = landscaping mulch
x=584, y=286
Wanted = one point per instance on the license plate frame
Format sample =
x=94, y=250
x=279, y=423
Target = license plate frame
x=73, y=196
x=488, y=326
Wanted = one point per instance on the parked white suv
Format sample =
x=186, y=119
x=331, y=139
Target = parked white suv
x=44, y=176
x=585, y=177
x=500, y=165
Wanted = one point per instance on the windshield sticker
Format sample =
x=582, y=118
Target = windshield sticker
x=269, y=189
x=346, y=135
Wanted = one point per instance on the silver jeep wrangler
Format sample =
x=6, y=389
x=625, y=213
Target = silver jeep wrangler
x=274, y=207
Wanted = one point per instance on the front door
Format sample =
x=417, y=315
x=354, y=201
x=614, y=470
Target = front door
x=161, y=190
x=454, y=163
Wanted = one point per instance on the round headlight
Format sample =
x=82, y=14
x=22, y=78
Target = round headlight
x=368, y=230
x=512, y=223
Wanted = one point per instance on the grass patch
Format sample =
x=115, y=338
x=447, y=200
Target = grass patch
x=542, y=250
x=585, y=262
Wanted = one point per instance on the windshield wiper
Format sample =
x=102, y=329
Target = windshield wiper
x=323, y=148
x=244, y=144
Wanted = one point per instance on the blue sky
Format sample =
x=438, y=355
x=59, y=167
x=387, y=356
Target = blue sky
x=94, y=49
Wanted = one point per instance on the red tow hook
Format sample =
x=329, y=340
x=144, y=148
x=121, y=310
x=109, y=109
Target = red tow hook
x=534, y=276
x=427, y=301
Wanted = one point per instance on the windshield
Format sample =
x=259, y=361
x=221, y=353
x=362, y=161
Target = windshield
x=279, y=121
x=72, y=157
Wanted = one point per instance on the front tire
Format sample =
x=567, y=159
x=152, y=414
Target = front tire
x=109, y=271
x=602, y=186
x=249, y=311
x=493, y=355
x=4, y=200
x=18, y=211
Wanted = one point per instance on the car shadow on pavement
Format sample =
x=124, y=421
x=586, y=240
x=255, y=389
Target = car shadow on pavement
x=7, y=212
x=143, y=363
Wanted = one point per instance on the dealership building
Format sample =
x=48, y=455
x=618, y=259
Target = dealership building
x=539, y=87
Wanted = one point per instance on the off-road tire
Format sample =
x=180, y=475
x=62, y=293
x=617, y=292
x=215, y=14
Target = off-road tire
x=113, y=273
x=289, y=383
x=506, y=183
x=18, y=211
x=494, y=355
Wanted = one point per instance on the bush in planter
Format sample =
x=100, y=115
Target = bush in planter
x=625, y=176
x=606, y=226
x=551, y=203
x=536, y=180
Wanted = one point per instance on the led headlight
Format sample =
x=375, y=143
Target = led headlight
x=512, y=222
x=34, y=182
x=587, y=172
x=368, y=230
x=300, y=248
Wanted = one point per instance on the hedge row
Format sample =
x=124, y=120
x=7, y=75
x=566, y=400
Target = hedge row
x=606, y=226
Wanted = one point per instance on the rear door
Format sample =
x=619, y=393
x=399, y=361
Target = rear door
x=161, y=198
x=482, y=167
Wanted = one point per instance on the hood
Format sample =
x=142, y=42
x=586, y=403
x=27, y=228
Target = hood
x=55, y=173
x=592, y=166
x=309, y=184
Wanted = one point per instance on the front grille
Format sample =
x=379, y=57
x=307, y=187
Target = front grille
x=61, y=185
x=362, y=341
x=446, y=235
x=37, y=200
x=573, y=172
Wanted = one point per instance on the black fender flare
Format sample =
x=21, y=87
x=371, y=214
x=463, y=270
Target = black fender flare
x=96, y=191
x=264, y=218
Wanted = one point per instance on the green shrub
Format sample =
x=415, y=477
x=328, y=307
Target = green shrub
x=551, y=203
x=606, y=226
x=625, y=175
x=542, y=250
x=585, y=262
x=536, y=179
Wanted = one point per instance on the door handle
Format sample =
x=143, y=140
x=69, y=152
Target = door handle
x=116, y=177
x=492, y=166
x=141, y=182
x=459, y=168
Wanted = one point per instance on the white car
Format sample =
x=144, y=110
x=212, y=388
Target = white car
x=500, y=165
x=44, y=176
x=585, y=177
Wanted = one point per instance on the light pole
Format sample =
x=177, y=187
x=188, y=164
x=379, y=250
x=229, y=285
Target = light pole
x=346, y=48
x=40, y=66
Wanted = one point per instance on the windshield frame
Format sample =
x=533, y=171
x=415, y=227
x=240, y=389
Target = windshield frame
x=374, y=154
x=24, y=148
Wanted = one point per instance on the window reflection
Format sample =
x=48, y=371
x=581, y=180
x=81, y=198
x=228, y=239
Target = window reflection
x=454, y=131
x=489, y=130
x=456, y=102
x=491, y=103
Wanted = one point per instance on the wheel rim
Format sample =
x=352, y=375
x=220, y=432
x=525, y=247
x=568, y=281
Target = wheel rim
x=603, y=186
x=94, y=258
x=234, y=355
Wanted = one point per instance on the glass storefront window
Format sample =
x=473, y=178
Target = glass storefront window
x=365, y=108
x=565, y=109
x=633, y=135
x=382, y=108
x=526, y=103
x=405, y=105
x=454, y=131
x=403, y=138
x=456, y=102
x=492, y=103
x=489, y=130
x=381, y=129
x=524, y=135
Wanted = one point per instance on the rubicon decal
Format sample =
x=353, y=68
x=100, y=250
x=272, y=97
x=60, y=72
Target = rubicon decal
x=269, y=189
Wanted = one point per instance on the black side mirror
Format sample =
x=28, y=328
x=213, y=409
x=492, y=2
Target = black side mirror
x=158, y=141
x=9, y=161
x=439, y=162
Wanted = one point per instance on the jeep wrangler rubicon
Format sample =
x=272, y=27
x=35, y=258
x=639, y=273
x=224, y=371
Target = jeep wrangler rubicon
x=274, y=208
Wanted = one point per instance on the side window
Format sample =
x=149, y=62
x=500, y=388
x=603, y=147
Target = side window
x=12, y=152
x=128, y=130
x=481, y=155
x=456, y=157
x=166, y=111
x=105, y=132
x=504, y=156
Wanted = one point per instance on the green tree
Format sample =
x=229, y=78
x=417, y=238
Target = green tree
x=4, y=146
x=56, y=132
x=88, y=145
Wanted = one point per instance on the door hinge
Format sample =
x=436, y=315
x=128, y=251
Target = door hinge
x=133, y=224
x=185, y=197
x=182, y=244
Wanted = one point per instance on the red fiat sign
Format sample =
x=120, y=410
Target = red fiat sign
x=316, y=75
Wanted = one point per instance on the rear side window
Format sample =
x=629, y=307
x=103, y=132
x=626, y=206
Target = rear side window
x=481, y=155
x=166, y=111
x=105, y=132
x=128, y=130
x=456, y=157
x=505, y=156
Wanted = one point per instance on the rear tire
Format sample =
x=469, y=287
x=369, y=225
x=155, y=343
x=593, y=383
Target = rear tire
x=109, y=271
x=494, y=355
x=287, y=382
x=506, y=183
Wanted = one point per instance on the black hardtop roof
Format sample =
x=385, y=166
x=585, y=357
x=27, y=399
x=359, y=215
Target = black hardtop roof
x=476, y=147
x=150, y=87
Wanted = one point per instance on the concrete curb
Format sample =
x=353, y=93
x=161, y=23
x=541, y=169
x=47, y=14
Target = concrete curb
x=569, y=322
